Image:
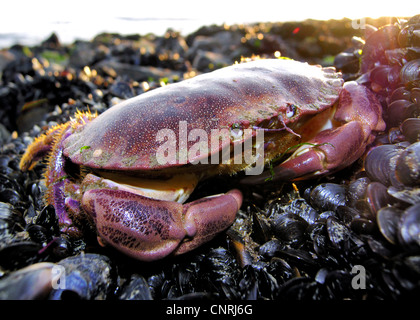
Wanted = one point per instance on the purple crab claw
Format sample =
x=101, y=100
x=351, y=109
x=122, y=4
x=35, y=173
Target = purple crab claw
x=359, y=116
x=149, y=229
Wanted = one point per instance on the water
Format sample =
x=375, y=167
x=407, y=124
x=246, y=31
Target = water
x=29, y=22
x=69, y=31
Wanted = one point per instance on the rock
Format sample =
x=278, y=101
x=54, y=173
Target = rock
x=136, y=73
x=4, y=134
x=5, y=58
x=52, y=42
x=121, y=89
x=172, y=42
x=223, y=42
x=202, y=43
x=86, y=53
x=205, y=61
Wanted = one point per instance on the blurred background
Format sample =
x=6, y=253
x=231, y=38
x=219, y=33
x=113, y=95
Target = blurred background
x=28, y=22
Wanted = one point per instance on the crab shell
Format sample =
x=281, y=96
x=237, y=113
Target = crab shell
x=273, y=92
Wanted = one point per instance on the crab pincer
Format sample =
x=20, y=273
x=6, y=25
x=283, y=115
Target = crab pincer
x=149, y=229
x=356, y=122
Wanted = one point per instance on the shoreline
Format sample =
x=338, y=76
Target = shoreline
x=68, y=32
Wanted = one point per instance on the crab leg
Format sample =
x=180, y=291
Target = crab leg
x=40, y=148
x=50, y=145
x=149, y=229
x=55, y=177
x=360, y=117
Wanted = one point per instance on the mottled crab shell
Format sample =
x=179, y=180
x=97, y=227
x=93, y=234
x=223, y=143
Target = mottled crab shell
x=243, y=96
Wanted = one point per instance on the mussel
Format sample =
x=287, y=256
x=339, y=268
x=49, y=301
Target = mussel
x=136, y=288
x=388, y=222
x=85, y=277
x=409, y=228
x=328, y=196
x=289, y=227
x=411, y=129
x=407, y=167
x=410, y=72
x=29, y=283
x=401, y=227
x=380, y=163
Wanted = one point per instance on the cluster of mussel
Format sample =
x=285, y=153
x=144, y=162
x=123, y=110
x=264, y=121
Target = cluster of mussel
x=392, y=71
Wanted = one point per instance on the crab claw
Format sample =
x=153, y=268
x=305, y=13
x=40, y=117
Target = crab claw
x=149, y=229
x=359, y=115
x=331, y=151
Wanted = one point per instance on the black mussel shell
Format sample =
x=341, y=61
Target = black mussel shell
x=411, y=129
x=396, y=56
x=301, y=208
x=409, y=36
x=289, y=227
x=48, y=219
x=328, y=196
x=19, y=254
x=29, y=283
x=300, y=258
x=155, y=283
x=362, y=225
x=406, y=195
x=357, y=190
x=348, y=213
x=260, y=228
x=388, y=222
x=302, y=288
x=136, y=288
x=373, y=53
x=320, y=241
x=413, y=263
x=198, y=296
x=377, y=197
x=395, y=136
x=271, y=248
x=338, y=233
x=220, y=269
x=401, y=93
x=347, y=62
x=11, y=220
x=409, y=229
x=281, y=269
x=11, y=196
x=407, y=167
x=87, y=277
x=380, y=163
x=415, y=95
x=386, y=77
x=398, y=111
x=410, y=72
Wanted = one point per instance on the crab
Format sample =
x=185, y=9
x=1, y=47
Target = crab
x=107, y=169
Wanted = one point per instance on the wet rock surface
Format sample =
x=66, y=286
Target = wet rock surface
x=352, y=235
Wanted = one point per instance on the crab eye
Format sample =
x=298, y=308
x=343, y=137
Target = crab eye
x=290, y=110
